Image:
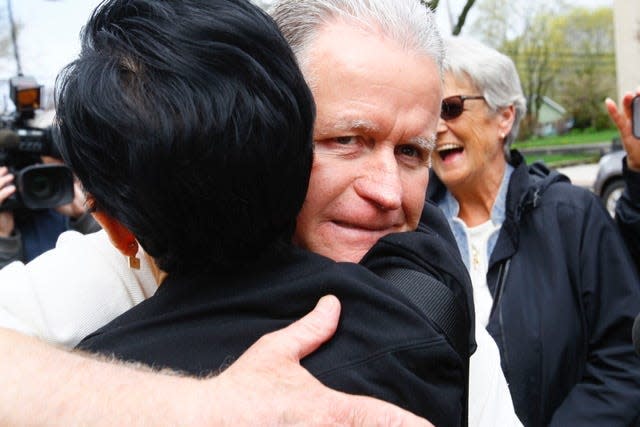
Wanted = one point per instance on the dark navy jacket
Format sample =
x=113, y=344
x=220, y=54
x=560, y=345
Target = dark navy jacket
x=565, y=296
x=628, y=212
x=36, y=231
x=385, y=347
x=40, y=230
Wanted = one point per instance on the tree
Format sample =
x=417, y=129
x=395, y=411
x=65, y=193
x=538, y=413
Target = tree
x=5, y=36
x=560, y=52
x=533, y=55
x=585, y=46
x=9, y=30
x=462, y=17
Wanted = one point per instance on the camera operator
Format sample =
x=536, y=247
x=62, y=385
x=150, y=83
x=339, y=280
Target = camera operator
x=26, y=233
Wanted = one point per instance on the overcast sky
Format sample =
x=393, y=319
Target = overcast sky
x=49, y=36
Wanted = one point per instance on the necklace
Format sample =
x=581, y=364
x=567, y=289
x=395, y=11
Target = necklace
x=475, y=256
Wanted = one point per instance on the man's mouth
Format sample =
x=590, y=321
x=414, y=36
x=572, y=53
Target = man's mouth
x=364, y=227
x=448, y=150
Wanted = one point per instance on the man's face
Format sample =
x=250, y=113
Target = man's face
x=377, y=108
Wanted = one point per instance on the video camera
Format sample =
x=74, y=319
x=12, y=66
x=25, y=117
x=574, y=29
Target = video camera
x=38, y=186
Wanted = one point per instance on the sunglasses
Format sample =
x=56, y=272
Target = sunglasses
x=453, y=106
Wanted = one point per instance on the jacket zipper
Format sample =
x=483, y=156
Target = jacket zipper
x=502, y=278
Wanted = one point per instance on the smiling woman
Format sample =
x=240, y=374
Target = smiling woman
x=530, y=239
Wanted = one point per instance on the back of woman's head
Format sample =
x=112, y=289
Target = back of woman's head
x=190, y=123
x=493, y=73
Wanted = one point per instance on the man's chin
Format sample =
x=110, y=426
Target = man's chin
x=346, y=256
x=347, y=251
x=342, y=244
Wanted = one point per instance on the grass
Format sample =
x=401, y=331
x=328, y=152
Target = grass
x=573, y=137
x=559, y=160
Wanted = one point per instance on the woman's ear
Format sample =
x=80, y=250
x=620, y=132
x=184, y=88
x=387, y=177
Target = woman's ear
x=121, y=237
x=506, y=118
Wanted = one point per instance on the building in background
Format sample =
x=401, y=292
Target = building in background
x=626, y=19
x=552, y=118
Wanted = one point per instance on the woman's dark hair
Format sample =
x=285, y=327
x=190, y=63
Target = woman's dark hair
x=190, y=123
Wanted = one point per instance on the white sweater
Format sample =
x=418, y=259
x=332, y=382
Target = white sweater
x=71, y=291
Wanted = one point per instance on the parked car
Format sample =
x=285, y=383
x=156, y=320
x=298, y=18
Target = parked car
x=609, y=184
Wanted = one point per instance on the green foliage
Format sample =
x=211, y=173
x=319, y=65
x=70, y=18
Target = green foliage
x=576, y=136
x=588, y=63
x=559, y=160
x=566, y=54
x=431, y=4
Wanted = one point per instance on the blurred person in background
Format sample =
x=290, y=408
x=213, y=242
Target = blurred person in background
x=26, y=233
x=553, y=282
x=628, y=206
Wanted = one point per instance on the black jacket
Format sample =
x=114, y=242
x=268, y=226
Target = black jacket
x=565, y=296
x=628, y=212
x=384, y=347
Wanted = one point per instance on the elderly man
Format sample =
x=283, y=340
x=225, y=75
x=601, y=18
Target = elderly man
x=377, y=86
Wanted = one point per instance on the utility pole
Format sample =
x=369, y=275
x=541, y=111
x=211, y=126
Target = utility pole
x=14, y=40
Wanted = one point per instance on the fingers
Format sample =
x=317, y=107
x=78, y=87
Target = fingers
x=307, y=334
x=6, y=188
x=626, y=104
x=6, y=224
x=618, y=118
x=77, y=207
x=622, y=119
x=367, y=411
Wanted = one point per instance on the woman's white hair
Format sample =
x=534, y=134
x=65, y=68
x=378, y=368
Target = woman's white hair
x=492, y=73
x=407, y=22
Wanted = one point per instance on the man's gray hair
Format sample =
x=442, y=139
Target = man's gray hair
x=492, y=73
x=407, y=22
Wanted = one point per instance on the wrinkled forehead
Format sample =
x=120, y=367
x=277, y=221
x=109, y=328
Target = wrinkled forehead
x=355, y=34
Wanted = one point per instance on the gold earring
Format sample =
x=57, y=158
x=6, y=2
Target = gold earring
x=134, y=262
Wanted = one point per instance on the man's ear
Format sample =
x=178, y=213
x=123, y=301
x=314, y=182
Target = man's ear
x=120, y=236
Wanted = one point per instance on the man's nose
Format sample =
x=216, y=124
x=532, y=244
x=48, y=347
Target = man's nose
x=380, y=183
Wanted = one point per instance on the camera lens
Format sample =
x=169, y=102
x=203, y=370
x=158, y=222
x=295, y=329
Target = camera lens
x=40, y=188
x=45, y=186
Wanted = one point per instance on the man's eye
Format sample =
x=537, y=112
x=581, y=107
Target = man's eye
x=408, y=150
x=412, y=155
x=348, y=146
x=344, y=140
